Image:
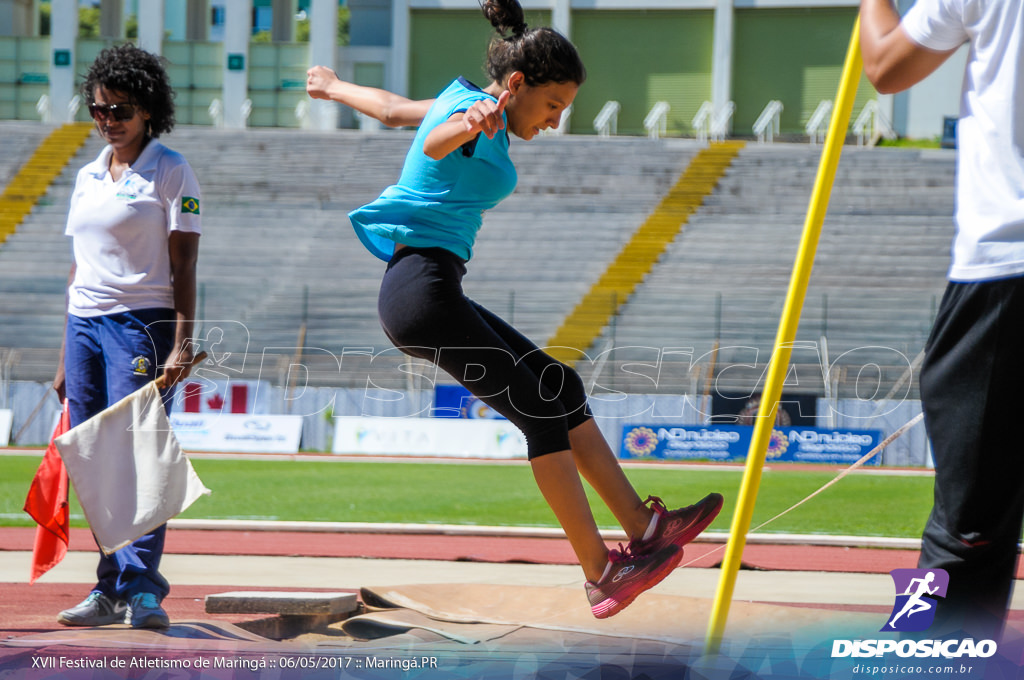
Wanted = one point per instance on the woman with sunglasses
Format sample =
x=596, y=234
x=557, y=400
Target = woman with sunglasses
x=134, y=225
x=425, y=226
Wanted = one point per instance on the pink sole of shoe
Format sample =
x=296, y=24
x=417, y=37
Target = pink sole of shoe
x=611, y=607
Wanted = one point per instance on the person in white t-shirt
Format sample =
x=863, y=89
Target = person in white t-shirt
x=973, y=372
x=134, y=225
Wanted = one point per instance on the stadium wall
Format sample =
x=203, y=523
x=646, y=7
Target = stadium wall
x=794, y=55
x=641, y=57
x=638, y=52
x=444, y=44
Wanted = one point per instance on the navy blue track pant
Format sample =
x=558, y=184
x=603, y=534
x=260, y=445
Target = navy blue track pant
x=106, y=358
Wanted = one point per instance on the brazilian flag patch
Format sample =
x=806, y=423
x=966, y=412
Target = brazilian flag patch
x=190, y=205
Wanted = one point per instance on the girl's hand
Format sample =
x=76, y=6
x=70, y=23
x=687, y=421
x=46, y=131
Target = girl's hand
x=485, y=116
x=319, y=80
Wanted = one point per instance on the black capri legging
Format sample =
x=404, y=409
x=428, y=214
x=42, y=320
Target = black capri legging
x=425, y=314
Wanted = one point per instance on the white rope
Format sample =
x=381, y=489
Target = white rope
x=865, y=458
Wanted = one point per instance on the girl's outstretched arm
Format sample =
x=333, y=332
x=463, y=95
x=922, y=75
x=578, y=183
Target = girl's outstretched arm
x=390, y=109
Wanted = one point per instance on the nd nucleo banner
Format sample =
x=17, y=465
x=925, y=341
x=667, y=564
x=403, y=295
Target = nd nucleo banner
x=730, y=443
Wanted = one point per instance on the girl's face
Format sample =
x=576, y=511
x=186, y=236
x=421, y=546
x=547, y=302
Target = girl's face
x=535, y=108
x=120, y=123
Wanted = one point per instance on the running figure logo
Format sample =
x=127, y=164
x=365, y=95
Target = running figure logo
x=916, y=589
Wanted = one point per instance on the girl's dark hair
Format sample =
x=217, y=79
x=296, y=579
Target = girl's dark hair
x=141, y=77
x=542, y=54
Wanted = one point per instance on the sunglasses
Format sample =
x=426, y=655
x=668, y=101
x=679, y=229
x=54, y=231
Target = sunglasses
x=120, y=112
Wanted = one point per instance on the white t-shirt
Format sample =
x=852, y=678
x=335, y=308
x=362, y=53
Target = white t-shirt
x=989, y=242
x=120, y=230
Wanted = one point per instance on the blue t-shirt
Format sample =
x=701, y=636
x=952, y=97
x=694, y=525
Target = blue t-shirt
x=440, y=203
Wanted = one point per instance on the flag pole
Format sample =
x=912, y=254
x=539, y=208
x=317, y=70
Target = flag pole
x=838, y=126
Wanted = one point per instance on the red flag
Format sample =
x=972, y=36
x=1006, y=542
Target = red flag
x=47, y=503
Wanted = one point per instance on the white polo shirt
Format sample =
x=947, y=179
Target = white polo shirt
x=989, y=242
x=120, y=229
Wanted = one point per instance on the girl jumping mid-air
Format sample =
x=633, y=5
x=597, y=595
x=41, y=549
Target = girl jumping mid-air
x=424, y=228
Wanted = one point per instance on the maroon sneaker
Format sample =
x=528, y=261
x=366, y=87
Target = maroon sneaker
x=629, y=576
x=677, y=527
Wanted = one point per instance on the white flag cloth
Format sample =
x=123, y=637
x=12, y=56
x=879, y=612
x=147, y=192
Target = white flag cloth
x=128, y=471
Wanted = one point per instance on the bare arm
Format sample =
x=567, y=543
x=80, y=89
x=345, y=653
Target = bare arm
x=483, y=116
x=391, y=109
x=184, y=251
x=58, y=378
x=892, y=61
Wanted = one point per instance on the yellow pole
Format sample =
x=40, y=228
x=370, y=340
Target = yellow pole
x=784, y=339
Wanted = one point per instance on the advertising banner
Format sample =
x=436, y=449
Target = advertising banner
x=728, y=408
x=730, y=443
x=6, y=420
x=429, y=437
x=236, y=433
x=455, y=401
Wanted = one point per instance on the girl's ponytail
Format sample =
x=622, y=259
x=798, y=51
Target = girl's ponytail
x=542, y=55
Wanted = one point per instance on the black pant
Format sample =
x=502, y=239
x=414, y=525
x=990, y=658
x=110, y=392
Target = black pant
x=425, y=314
x=971, y=389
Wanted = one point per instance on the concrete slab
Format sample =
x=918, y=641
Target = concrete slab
x=289, y=603
x=295, y=613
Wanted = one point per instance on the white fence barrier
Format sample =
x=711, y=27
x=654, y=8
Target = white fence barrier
x=320, y=407
x=768, y=123
x=701, y=122
x=656, y=122
x=606, y=123
x=817, y=124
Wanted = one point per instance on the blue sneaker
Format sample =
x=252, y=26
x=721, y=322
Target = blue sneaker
x=144, y=611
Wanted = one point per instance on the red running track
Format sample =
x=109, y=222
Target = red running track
x=25, y=609
x=480, y=549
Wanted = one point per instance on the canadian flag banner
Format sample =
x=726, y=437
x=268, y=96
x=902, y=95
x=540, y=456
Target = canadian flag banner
x=219, y=396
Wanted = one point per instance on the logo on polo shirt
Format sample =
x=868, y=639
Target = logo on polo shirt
x=190, y=205
x=128, y=192
x=140, y=365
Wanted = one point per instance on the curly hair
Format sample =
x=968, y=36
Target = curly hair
x=543, y=55
x=140, y=76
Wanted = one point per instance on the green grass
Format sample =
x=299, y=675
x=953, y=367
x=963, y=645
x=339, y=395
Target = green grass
x=506, y=495
x=933, y=143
